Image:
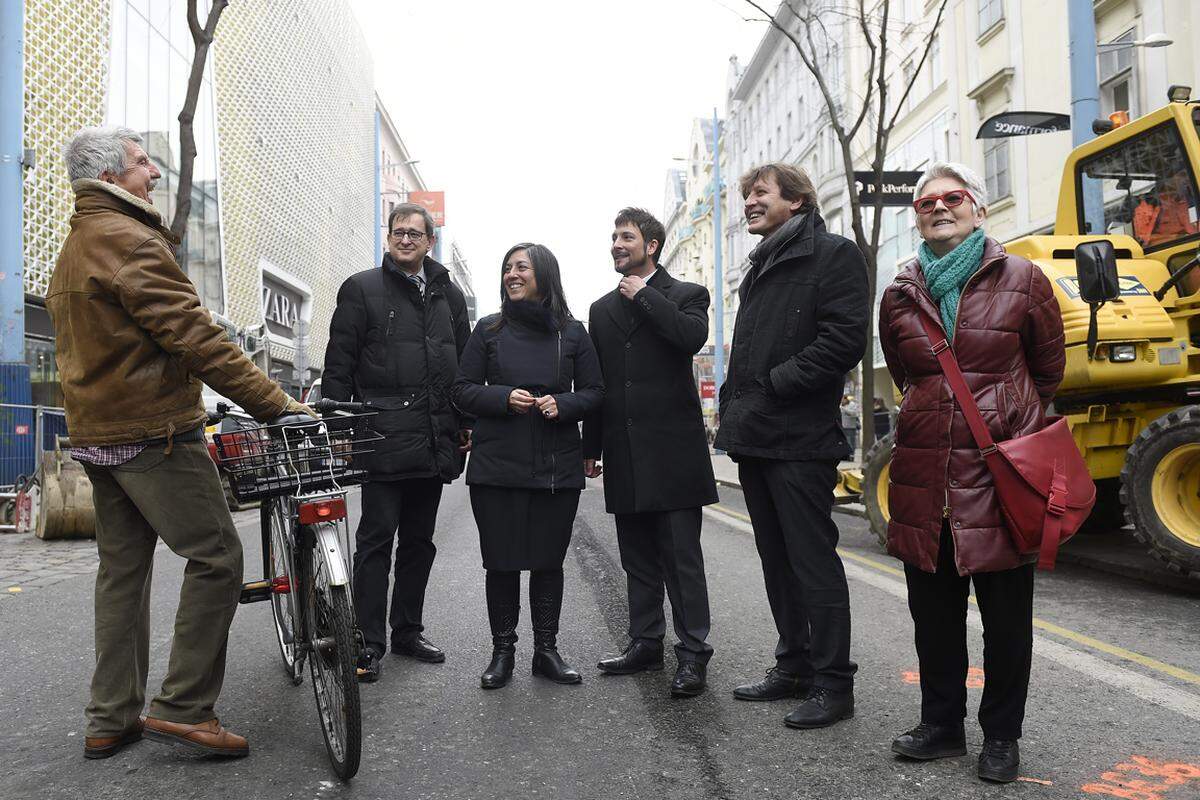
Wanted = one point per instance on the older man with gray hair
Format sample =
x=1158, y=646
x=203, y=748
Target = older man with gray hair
x=133, y=346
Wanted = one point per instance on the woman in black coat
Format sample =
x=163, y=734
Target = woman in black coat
x=529, y=375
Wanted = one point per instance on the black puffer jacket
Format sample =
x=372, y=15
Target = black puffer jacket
x=801, y=326
x=528, y=451
x=399, y=351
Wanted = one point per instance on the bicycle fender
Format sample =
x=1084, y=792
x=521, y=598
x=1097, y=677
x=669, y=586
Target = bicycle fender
x=330, y=544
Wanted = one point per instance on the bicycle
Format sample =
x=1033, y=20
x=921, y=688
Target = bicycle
x=300, y=468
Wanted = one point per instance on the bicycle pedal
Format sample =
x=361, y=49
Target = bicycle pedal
x=255, y=591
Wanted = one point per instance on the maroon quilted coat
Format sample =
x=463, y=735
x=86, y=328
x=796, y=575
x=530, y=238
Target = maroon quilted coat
x=1009, y=344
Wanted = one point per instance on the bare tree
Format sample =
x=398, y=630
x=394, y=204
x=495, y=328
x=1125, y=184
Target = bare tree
x=202, y=38
x=868, y=19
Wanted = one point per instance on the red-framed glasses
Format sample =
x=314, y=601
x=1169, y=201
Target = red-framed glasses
x=951, y=199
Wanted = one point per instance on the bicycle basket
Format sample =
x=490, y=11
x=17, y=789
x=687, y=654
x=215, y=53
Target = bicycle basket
x=291, y=459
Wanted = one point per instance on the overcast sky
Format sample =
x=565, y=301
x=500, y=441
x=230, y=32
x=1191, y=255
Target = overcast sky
x=542, y=118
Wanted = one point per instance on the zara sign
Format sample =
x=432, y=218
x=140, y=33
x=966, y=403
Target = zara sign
x=280, y=307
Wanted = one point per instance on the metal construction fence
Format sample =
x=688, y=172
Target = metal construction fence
x=26, y=432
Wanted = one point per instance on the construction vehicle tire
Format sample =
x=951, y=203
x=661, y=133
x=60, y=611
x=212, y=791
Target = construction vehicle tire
x=1160, y=487
x=875, y=487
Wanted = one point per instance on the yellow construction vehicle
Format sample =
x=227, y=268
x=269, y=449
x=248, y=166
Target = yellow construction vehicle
x=1131, y=314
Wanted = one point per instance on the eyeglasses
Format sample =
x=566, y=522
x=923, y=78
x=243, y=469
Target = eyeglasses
x=412, y=236
x=951, y=199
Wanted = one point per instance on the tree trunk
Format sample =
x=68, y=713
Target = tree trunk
x=202, y=38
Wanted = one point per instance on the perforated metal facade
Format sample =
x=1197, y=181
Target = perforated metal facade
x=296, y=122
x=66, y=76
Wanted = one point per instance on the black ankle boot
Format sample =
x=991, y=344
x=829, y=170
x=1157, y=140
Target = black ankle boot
x=548, y=663
x=545, y=604
x=502, y=616
x=500, y=670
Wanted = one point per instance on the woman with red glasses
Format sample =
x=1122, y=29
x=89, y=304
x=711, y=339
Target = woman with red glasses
x=1000, y=317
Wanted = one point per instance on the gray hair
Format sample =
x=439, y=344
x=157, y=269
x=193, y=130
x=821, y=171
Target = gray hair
x=406, y=210
x=968, y=177
x=94, y=151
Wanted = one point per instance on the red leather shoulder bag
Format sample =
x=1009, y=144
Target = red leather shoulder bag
x=1041, y=479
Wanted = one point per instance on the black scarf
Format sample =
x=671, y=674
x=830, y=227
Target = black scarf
x=767, y=247
x=530, y=314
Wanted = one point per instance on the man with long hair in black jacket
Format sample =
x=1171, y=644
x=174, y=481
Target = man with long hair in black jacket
x=801, y=326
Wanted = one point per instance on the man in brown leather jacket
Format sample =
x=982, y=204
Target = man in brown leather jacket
x=133, y=346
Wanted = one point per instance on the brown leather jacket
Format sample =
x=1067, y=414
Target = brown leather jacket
x=1009, y=344
x=133, y=342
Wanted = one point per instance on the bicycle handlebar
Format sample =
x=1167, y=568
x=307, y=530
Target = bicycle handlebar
x=326, y=406
x=322, y=406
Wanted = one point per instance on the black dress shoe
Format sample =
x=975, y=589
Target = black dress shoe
x=777, y=685
x=369, y=666
x=639, y=656
x=821, y=708
x=927, y=742
x=419, y=648
x=689, y=679
x=999, y=760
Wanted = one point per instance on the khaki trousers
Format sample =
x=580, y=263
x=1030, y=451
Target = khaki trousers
x=176, y=497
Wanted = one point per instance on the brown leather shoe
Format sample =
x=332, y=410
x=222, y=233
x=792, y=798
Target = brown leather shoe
x=205, y=737
x=105, y=746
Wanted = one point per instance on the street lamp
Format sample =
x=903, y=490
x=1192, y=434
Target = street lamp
x=1153, y=40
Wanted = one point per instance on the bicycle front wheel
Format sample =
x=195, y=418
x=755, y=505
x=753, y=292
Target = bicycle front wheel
x=279, y=566
x=332, y=666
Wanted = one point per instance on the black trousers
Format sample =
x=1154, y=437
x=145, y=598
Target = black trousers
x=403, y=512
x=938, y=602
x=791, y=503
x=662, y=549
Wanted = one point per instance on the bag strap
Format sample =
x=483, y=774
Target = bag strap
x=958, y=384
x=1056, y=504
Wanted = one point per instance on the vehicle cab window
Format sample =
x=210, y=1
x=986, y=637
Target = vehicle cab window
x=1142, y=187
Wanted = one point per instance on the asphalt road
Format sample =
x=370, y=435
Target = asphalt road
x=1114, y=707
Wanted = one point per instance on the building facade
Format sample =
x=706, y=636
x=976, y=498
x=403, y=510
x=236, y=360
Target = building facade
x=296, y=124
x=988, y=56
x=689, y=251
x=284, y=195
x=398, y=176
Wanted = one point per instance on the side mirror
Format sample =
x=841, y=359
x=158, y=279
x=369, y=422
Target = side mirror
x=1096, y=267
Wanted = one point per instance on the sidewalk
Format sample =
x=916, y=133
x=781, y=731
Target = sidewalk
x=27, y=562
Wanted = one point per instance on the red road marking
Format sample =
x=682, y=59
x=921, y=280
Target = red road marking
x=1122, y=781
x=974, y=677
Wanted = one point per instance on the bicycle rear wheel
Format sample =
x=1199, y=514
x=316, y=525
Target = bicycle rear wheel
x=279, y=565
x=332, y=666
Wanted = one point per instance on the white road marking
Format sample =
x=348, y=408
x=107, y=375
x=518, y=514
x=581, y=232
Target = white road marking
x=1137, y=684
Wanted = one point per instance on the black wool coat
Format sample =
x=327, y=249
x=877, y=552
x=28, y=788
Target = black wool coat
x=649, y=430
x=527, y=451
x=801, y=326
x=399, y=351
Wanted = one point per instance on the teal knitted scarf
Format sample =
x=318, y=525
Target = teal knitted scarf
x=947, y=275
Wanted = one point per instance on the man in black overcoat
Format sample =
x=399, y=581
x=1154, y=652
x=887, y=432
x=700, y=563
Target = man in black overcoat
x=801, y=326
x=394, y=341
x=656, y=464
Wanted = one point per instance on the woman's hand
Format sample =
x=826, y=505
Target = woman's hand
x=519, y=401
x=548, y=406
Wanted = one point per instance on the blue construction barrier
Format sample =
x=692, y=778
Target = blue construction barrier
x=20, y=448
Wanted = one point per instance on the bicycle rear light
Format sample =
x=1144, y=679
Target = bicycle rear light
x=322, y=511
